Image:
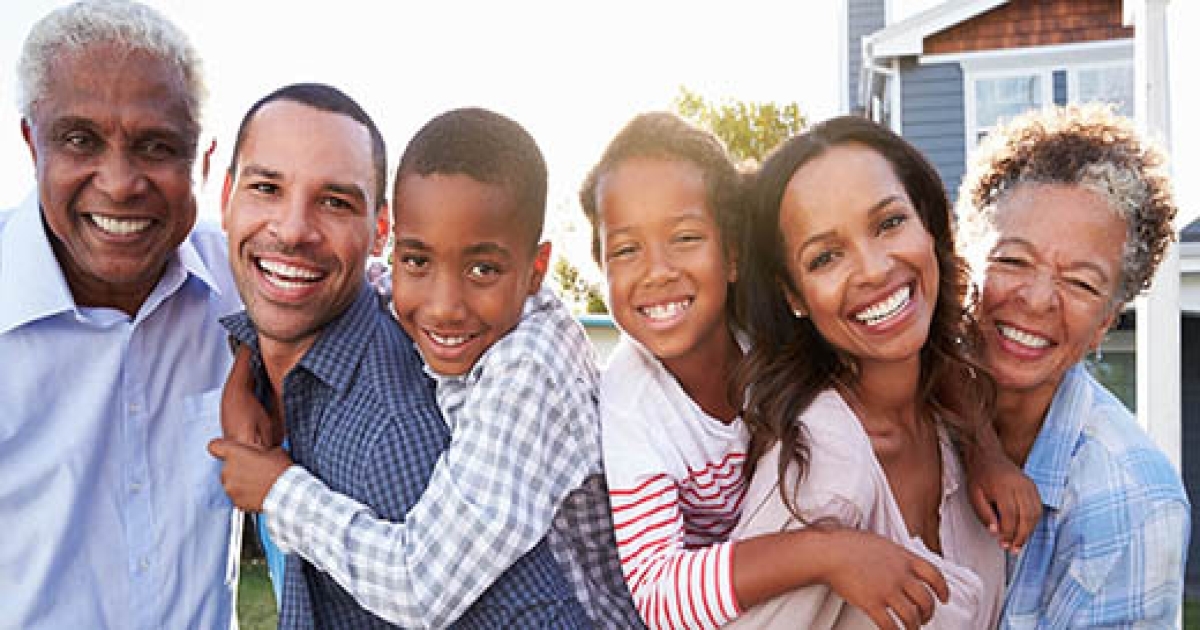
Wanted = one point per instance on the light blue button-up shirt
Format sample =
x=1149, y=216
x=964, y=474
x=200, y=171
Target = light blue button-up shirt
x=1109, y=550
x=111, y=510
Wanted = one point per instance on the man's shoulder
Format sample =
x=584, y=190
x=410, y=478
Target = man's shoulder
x=392, y=374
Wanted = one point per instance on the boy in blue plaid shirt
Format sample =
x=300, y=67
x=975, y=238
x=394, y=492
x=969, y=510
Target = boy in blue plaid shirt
x=516, y=383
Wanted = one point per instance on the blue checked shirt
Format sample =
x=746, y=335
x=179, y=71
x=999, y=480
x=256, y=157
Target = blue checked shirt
x=524, y=462
x=361, y=416
x=1109, y=550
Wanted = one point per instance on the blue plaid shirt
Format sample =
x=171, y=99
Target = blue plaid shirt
x=361, y=416
x=1109, y=550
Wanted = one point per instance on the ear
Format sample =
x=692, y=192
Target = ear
x=226, y=190
x=383, y=225
x=27, y=134
x=541, y=262
x=1105, y=326
x=795, y=303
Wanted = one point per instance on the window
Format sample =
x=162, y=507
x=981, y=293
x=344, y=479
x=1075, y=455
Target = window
x=1108, y=84
x=1001, y=98
x=998, y=85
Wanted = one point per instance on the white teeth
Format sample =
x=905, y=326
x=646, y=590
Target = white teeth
x=449, y=341
x=285, y=273
x=120, y=227
x=882, y=311
x=660, y=312
x=1020, y=336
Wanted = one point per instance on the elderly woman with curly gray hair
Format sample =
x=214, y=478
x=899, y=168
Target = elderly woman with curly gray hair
x=1065, y=215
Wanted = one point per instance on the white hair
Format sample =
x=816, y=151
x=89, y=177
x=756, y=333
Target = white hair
x=89, y=22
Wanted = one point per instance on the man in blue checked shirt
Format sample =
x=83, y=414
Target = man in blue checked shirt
x=303, y=211
x=111, y=353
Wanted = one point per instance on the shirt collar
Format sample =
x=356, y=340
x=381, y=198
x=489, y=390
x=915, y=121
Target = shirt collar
x=335, y=355
x=29, y=268
x=1050, y=458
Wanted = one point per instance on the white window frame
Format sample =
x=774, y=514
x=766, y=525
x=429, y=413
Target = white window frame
x=1039, y=60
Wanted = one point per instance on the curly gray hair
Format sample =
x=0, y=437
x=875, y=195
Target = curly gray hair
x=89, y=22
x=1081, y=145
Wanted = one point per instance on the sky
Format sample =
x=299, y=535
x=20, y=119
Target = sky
x=572, y=73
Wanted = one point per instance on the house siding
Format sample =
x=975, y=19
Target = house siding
x=1022, y=23
x=932, y=117
x=863, y=17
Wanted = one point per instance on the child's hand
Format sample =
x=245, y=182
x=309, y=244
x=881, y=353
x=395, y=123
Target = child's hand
x=1005, y=500
x=242, y=417
x=886, y=581
x=249, y=471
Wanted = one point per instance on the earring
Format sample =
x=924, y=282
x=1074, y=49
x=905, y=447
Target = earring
x=1100, y=354
x=799, y=313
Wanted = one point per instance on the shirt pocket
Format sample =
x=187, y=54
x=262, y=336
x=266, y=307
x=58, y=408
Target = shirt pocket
x=202, y=471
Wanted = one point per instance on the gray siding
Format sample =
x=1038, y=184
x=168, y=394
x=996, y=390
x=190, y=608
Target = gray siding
x=1191, y=438
x=863, y=17
x=932, y=116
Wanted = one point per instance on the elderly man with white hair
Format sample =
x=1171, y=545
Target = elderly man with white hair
x=113, y=358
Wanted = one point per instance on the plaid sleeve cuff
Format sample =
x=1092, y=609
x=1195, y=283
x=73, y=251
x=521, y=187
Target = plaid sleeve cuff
x=300, y=509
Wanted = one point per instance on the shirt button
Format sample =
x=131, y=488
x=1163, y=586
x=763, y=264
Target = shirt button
x=135, y=487
x=134, y=408
x=144, y=564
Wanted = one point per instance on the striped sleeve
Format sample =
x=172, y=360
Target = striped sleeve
x=674, y=587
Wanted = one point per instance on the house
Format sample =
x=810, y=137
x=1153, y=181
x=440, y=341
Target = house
x=944, y=75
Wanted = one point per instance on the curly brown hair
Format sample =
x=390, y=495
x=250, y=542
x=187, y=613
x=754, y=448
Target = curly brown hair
x=790, y=363
x=1079, y=145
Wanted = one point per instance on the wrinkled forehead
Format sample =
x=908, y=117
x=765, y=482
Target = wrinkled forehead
x=110, y=86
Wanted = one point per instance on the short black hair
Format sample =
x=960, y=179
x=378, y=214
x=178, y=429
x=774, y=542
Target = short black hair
x=327, y=99
x=487, y=147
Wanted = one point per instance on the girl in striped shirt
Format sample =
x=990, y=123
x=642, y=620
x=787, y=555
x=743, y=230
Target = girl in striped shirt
x=664, y=205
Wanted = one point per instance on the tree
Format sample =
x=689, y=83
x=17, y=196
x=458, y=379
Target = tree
x=576, y=289
x=749, y=130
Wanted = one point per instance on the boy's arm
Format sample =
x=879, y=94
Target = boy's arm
x=1005, y=499
x=512, y=459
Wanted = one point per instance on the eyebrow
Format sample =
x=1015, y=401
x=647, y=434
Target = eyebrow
x=875, y=208
x=350, y=190
x=1082, y=264
x=488, y=247
x=254, y=170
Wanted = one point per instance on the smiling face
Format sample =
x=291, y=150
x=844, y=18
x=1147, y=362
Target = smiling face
x=112, y=144
x=863, y=265
x=1047, y=299
x=299, y=209
x=464, y=266
x=668, y=273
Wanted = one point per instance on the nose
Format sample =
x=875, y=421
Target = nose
x=119, y=177
x=1039, y=291
x=660, y=266
x=874, y=263
x=444, y=302
x=292, y=223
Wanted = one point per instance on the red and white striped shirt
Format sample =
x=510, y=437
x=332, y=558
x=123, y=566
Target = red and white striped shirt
x=676, y=486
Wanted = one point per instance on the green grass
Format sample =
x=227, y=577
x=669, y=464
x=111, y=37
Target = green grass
x=1191, y=614
x=256, y=600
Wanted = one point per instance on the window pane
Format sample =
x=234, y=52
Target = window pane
x=999, y=99
x=1113, y=84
